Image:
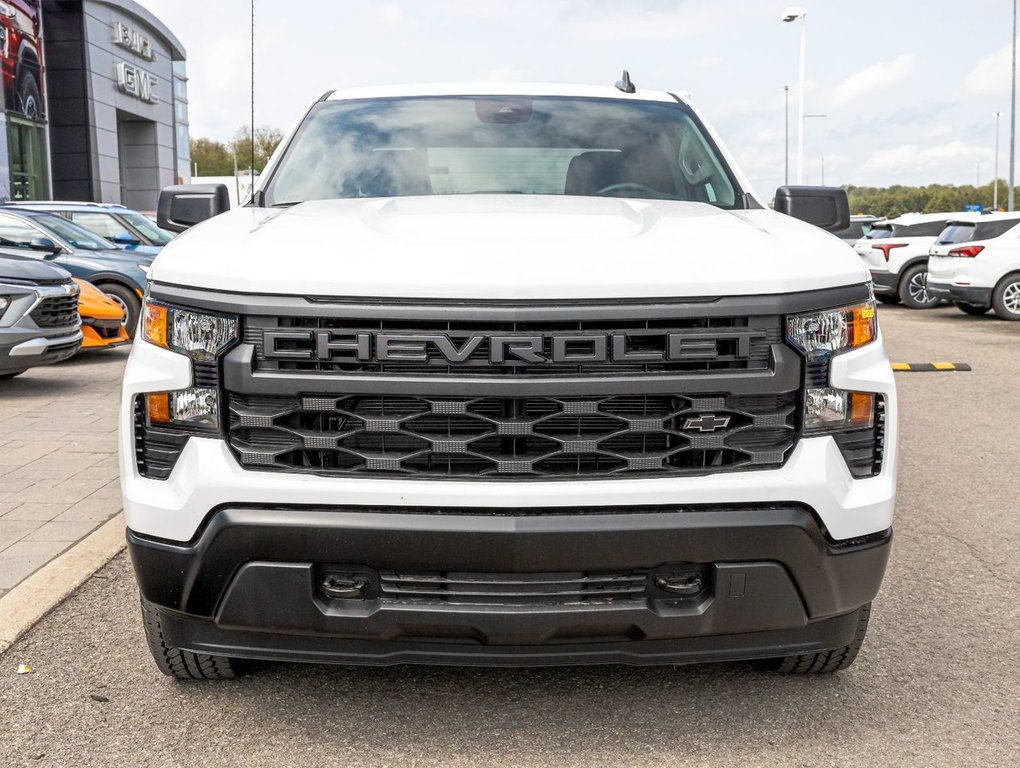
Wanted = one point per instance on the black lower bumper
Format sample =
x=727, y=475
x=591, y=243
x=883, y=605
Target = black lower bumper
x=768, y=583
x=964, y=294
x=885, y=283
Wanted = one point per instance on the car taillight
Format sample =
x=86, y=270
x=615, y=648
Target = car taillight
x=886, y=247
x=967, y=251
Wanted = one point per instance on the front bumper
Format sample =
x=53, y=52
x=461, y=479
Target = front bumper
x=249, y=584
x=21, y=349
x=965, y=294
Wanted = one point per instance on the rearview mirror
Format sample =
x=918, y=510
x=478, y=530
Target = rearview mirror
x=44, y=245
x=182, y=207
x=825, y=207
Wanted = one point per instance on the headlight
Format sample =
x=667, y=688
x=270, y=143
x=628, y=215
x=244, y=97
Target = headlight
x=200, y=336
x=4, y=303
x=833, y=410
x=195, y=408
x=820, y=335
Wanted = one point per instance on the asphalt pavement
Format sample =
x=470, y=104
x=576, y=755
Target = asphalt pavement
x=937, y=683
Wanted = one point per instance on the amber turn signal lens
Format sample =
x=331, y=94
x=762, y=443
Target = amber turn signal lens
x=154, y=325
x=863, y=325
x=862, y=409
x=157, y=408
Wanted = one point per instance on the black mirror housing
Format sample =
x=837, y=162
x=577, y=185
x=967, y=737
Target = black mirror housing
x=182, y=207
x=825, y=207
x=44, y=245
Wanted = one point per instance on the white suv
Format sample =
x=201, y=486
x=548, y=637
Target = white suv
x=896, y=252
x=976, y=264
x=496, y=374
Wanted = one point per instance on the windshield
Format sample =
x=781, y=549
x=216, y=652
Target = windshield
x=879, y=232
x=502, y=145
x=156, y=235
x=964, y=232
x=76, y=236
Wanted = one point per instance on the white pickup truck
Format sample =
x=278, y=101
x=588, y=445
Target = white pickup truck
x=510, y=375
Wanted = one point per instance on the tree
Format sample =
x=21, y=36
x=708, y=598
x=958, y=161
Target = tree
x=211, y=157
x=267, y=139
x=934, y=198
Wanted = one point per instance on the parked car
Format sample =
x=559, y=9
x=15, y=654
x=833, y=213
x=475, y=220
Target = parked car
x=123, y=227
x=654, y=424
x=39, y=322
x=976, y=265
x=896, y=253
x=45, y=236
x=102, y=318
x=859, y=227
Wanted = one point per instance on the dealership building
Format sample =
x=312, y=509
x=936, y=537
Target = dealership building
x=95, y=102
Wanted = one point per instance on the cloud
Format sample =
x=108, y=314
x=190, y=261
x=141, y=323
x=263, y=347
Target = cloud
x=870, y=79
x=945, y=159
x=391, y=14
x=991, y=76
x=640, y=24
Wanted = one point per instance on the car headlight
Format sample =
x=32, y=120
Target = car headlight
x=200, y=336
x=4, y=303
x=196, y=408
x=820, y=335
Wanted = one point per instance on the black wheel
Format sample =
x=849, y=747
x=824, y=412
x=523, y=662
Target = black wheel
x=970, y=309
x=887, y=298
x=29, y=98
x=184, y=665
x=827, y=662
x=5, y=376
x=128, y=301
x=914, y=288
x=1006, y=298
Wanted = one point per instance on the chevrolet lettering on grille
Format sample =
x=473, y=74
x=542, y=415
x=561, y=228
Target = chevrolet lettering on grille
x=500, y=349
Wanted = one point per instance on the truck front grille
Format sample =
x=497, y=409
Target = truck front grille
x=56, y=311
x=566, y=348
x=496, y=437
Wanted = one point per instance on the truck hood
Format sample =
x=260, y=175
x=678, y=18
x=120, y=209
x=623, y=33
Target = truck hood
x=506, y=247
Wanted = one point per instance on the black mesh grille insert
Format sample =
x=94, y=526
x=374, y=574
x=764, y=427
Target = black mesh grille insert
x=56, y=312
x=623, y=347
x=499, y=437
x=513, y=589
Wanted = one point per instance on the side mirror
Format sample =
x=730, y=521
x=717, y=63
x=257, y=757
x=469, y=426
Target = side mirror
x=185, y=206
x=45, y=245
x=825, y=207
x=127, y=240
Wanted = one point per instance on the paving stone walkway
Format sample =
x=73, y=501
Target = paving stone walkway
x=58, y=459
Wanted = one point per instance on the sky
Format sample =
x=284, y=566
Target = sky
x=908, y=87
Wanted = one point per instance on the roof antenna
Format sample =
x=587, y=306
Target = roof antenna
x=626, y=85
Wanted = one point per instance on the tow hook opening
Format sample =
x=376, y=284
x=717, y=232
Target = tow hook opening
x=344, y=586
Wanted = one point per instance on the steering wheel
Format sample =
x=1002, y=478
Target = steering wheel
x=624, y=185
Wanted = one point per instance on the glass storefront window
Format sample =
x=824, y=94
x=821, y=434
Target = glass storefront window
x=26, y=143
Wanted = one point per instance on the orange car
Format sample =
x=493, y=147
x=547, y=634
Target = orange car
x=102, y=319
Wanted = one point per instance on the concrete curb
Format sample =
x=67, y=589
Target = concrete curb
x=45, y=589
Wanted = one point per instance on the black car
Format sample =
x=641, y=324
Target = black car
x=39, y=322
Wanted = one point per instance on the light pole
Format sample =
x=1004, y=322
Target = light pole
x=786, y=114
x=995, y=192
x=1012, y=118
x=790, y=15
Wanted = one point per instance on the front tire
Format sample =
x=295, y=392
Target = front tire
x=971, y=309
x=29, y=98
x=827, y=662
x=183, y=665
x=914, y=288
x=128, y=301
x=1006, y=298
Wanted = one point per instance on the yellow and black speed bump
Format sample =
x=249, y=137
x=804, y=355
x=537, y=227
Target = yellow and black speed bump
x=929, y=367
